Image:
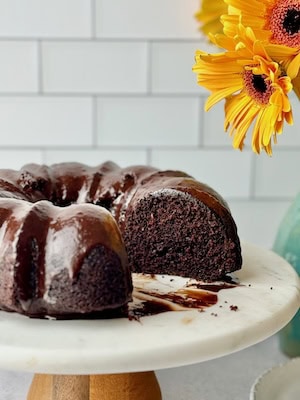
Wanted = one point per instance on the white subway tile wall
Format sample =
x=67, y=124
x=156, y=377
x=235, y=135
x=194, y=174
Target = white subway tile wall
x=92, y=80
x=144, y=19
x=171, y=68
x=227, y=178
x=40, y=121
x=94, y=67
x=147, y=121
x=45, y=18
x=19, y=66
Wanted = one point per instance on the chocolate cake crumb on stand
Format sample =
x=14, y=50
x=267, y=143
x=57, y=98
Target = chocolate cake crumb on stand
x=115, y=359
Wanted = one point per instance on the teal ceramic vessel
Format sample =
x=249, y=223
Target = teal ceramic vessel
x=287, y=245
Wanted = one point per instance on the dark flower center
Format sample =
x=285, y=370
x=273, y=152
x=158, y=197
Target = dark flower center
x=284, y=22
x=291, y=22
x=258, y=87
x=259, y=83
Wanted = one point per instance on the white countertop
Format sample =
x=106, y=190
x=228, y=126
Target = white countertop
x=226, y=378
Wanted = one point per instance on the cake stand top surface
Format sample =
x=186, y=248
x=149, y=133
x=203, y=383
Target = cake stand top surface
x=266, y=298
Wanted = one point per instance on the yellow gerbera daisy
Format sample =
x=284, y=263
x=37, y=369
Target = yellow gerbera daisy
x=278, y=21
x=289, y=59
x=254, y=89
x=209, y=16
x=296, y=85
x=274, y=21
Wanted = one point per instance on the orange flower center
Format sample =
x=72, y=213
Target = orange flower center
x=284, y=22
x=257, y=87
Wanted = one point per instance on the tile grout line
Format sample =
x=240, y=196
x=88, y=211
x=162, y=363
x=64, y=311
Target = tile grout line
x=97, y=38
x=149, y=50
x=200, y=127
x=94, y=121
x=40, y=67
x=104, y=94
x=148, y=155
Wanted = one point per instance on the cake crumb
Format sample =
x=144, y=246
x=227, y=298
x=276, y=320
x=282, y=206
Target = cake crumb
x=214, y=314
x=271, y=287
x=233, y=308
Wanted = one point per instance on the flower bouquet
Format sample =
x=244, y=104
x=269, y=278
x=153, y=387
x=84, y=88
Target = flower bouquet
x=256, y=68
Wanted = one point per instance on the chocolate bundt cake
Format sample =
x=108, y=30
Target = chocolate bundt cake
x=64, y=230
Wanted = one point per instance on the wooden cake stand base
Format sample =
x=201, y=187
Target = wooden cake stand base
x=128, y=386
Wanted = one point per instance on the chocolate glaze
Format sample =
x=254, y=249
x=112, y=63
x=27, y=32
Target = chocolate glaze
x=196, y=296
x=213, y=287
x=40, y=241
x=30, y=254
x=184, y=298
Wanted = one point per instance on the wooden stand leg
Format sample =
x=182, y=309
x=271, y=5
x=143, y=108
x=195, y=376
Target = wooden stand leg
x=129, y=386
x=41, y=387
x=59, y=387
x=133, y=386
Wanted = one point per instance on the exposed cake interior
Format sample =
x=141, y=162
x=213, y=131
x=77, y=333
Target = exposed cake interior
x=171, y=232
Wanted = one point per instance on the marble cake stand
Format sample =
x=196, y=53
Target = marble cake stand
x=115, y=359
